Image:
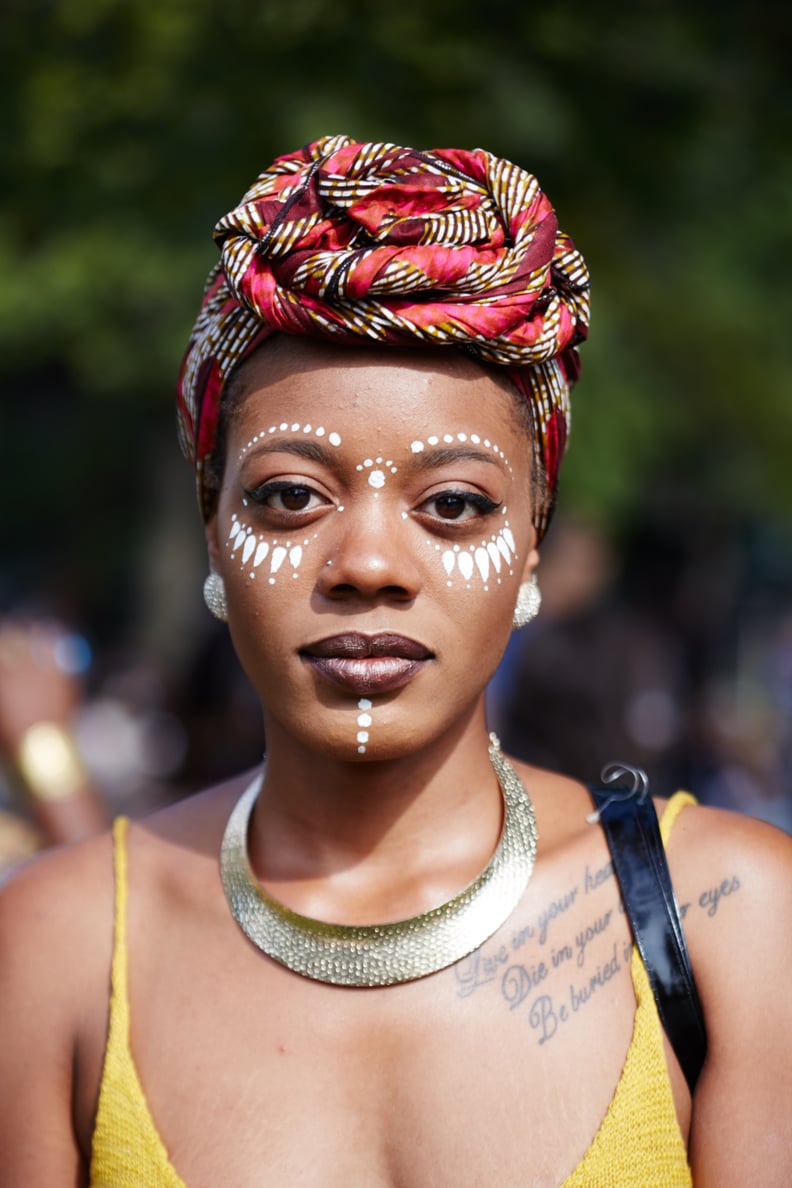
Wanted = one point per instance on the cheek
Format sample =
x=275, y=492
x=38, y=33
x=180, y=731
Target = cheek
x=486, y=564
x=273, y=559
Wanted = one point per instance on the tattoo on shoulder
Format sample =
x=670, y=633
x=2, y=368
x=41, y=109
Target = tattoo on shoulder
x=552, y=966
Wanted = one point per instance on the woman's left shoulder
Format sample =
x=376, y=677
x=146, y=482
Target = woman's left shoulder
x=733, y=880
x=716, y=846
x=732, y=877
x=728, y=868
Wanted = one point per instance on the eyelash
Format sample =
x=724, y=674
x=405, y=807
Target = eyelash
x=482, y=503
x=263, y=493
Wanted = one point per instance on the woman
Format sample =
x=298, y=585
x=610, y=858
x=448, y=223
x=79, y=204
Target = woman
x=375, y=482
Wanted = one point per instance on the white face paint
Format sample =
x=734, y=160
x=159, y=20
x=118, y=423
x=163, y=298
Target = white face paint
x=376, y=473
x=257, y=550
x=264, y=556
x=285, y=427
x=363, y=723
x=481, y=561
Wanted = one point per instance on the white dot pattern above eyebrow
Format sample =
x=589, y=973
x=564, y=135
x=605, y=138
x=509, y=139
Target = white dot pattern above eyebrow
x=418, y=446
x=296, y=427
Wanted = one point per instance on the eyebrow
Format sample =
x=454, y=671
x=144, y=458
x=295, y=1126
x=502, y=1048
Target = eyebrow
x=314, y=451
x=445, y=454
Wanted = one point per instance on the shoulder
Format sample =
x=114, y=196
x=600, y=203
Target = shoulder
x=55, y=914
x=733, y=879
x=55, y=945
x=733, y=870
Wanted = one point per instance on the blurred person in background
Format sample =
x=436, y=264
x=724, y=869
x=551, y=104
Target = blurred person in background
x=390, y=955
x=55, y=800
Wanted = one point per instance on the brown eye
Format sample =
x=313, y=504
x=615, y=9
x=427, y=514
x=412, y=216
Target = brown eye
x=285, y=497
x=450, y=507
x=295, y=498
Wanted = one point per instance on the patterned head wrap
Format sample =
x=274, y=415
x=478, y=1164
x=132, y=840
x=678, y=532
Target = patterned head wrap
x=373, y=243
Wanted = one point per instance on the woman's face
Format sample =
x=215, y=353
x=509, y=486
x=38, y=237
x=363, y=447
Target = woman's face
x=372, y=529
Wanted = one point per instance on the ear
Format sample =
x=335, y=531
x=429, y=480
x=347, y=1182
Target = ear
x=531, y=562
x=212, y=543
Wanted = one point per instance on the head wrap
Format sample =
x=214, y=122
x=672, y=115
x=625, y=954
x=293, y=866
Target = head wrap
x=373, y=243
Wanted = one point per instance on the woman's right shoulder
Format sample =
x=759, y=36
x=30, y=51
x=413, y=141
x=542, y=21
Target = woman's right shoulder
x=56, y=913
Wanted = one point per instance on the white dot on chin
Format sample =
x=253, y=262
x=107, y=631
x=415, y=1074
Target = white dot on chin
x=361, y=750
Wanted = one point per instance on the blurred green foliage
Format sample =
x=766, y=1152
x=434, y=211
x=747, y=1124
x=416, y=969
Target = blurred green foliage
x=660, y=128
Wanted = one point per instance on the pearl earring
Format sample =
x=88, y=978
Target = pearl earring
x=214, y=593
x=529, y=600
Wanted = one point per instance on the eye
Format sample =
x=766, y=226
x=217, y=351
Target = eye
x=458, y=506
x=286, y=497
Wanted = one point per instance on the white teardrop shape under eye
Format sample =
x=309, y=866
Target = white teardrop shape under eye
x=482, y=561
x=504, y=548
x=278, y=556
x=448, y=561
x=465, y=562
x=295, y=556
x=495, y=556
x=507, y=533
x=234, y=530
x=261, y=553
x=250, y=545
x=241, y=537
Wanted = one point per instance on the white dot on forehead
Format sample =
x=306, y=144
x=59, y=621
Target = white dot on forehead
x=433, y=440
x=417, y=447
x=295, y=426
x=334, y=439
x=284, y=425
x=320, y=432
x=377, y=478
x=447, y=437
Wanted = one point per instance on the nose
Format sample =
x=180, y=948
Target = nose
x=372, y=557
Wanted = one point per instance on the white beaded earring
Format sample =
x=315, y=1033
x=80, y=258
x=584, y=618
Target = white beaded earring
x=215, y=596
x=529, y=600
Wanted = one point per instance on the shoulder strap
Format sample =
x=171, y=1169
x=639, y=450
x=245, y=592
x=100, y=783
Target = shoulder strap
x=639, y=863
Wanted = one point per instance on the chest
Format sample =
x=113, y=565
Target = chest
x=500, y=1067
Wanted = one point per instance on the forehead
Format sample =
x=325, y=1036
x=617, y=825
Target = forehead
x=371, y=390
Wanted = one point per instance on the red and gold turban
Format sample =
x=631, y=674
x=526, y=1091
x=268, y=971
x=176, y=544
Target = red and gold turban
x=373, y=243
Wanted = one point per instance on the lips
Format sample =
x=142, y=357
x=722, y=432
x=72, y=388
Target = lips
x=367, y=663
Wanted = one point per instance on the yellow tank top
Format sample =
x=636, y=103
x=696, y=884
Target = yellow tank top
x=638, y=1145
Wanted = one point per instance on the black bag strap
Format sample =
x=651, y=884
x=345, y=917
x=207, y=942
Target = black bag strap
x=632, y=831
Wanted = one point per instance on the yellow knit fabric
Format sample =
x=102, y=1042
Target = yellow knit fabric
x=127, y=1150
x=638, y=1145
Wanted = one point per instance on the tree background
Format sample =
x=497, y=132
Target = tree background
x=660, y=129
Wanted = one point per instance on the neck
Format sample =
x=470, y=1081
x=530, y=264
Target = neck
x=360, y=842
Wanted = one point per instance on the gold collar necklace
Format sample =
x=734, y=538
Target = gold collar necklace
x=385, y=954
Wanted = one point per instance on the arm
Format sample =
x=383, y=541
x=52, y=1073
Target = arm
x=738, y=874
x=36, y=691
x=48, y=967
